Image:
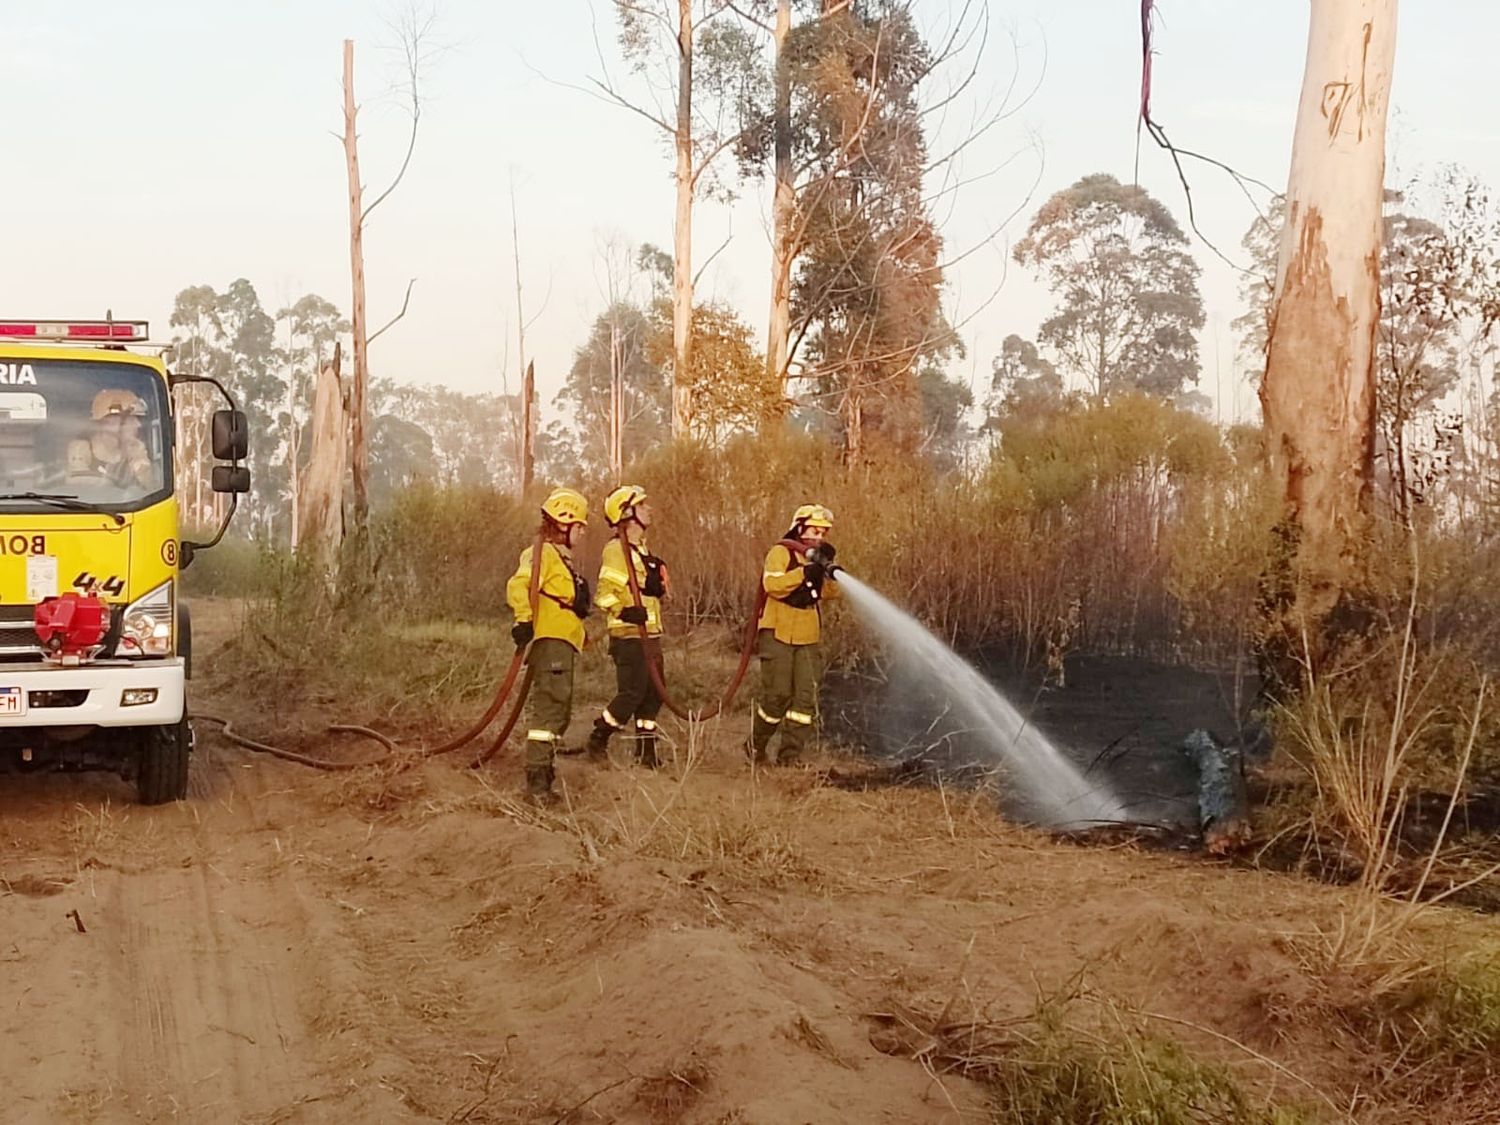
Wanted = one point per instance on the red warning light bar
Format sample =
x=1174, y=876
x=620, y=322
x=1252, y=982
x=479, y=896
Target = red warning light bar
x=115, y=331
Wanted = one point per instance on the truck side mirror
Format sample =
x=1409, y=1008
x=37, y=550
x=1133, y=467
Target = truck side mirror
x=234, y=479
x=231, y=438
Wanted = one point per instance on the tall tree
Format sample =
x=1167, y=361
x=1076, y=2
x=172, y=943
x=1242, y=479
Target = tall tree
x=793, y=97
x=1127, y=288
x=1022, y=381
x=783, y=204
x=1318, y=394
x=1417, y=343
x=618, y=345
x=663, y=39
x=414, y=31
x=227, y=336
x=866, y=294
x=196, y=336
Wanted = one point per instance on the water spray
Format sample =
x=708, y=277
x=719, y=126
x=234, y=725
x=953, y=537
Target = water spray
x=1051, y=786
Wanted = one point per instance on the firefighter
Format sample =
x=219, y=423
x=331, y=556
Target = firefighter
x=555, y=634
x=119, y=454
x=796, y=582
x=636, y=698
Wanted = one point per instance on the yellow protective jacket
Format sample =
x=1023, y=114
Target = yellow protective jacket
x=781, y=575
x=614, y=590
x=554, y=612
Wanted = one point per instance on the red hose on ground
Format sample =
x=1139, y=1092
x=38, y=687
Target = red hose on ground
x=392, y=751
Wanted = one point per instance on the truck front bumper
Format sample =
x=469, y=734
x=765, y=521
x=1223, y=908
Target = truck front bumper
x=144, y=693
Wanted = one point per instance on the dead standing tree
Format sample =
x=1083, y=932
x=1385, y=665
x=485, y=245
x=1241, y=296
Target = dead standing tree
x=320, y=515
x=414, y=32
x=1318, y=394
x=526, y=439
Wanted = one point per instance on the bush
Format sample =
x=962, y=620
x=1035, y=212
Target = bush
x=447, y=552
x=1441, y=1021
x=236, y=568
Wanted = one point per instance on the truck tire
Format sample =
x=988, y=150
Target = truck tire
x=164, y=763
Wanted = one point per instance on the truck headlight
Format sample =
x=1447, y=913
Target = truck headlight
x=149, y=624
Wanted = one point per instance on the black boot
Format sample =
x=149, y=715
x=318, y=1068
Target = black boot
x=645, y=749
x=597, y=748
x=539, y=785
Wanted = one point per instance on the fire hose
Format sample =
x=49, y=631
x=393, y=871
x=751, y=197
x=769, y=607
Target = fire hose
x=502, y=691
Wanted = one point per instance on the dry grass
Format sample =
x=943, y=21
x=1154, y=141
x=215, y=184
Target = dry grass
x=1077, y=1057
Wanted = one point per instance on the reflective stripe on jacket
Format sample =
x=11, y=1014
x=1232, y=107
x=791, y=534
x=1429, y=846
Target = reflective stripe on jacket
x=554, y=613
x=614, y=591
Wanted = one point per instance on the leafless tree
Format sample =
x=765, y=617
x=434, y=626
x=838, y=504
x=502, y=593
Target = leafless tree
x=413, y=30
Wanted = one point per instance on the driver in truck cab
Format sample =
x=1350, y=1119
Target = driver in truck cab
x=118, y=453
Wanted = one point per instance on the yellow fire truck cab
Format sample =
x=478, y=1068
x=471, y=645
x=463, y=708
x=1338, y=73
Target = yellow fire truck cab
x=90, y=552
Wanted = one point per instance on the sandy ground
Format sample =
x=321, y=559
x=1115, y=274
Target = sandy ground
x=414, y=943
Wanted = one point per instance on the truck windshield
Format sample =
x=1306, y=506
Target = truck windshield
x=92, y=434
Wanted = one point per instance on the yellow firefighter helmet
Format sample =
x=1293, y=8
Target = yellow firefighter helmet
x=565, y=507
x=620, y=504
x=116, y=401
x=812, y=515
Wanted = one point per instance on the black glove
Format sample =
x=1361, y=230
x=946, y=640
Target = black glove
x=813, y=573
x=654, y=586
x=633, y=615
x=522, y=632
x=823, y=553
x=582, y=603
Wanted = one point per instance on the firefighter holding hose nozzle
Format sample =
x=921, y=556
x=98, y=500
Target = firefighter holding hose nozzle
x=795, y=582
x=550, y=620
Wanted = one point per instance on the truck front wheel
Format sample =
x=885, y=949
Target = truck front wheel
x=164, y=763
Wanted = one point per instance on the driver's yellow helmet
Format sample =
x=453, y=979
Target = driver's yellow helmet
x=116, y=401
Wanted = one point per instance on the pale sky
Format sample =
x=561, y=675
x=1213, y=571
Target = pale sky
x=165, y=143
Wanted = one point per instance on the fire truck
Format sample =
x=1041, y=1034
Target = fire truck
x=95, y=641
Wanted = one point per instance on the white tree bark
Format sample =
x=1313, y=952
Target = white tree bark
x=321, y=514
x=682, y=242
x=1318, y=394
x=358, y=410
x=783, y=203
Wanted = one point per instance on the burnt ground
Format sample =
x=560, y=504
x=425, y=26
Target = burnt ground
x=1119, y=719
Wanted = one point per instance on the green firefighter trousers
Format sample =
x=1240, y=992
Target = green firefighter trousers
x=788, y=698
x=635, y=692
x=549, y=707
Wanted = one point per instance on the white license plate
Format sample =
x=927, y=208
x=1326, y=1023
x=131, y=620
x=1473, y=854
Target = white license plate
x=12, y=701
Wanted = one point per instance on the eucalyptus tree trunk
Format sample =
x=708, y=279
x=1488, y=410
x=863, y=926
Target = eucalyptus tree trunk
x=1318, y=394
